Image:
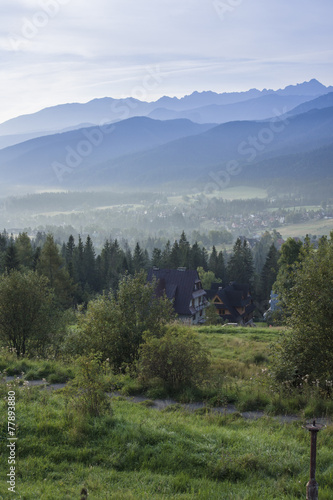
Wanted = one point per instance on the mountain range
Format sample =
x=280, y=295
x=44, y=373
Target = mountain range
x=197, y=107
x=189, y=141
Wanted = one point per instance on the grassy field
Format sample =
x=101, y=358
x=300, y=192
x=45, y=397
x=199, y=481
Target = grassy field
x=133, y=451
x=241, y=374
x=319, y=227
x=141, y=453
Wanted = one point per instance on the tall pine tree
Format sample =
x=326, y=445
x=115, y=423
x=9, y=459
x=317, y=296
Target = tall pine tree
x=269, y=272
x=89, y=265
x=11, y=258
x=52, y=266
x=240, y=266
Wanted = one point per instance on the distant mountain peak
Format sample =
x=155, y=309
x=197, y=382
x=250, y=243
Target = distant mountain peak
x=311, y=87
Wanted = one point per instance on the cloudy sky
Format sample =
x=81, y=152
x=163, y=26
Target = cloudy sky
x=57, y=51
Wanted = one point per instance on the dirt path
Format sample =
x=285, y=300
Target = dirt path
x=161, y=404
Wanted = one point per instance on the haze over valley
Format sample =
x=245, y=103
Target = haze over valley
x=172, y=159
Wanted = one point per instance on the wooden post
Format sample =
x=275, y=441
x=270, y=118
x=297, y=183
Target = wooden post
x=312, y=486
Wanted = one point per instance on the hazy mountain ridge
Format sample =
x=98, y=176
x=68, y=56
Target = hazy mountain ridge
x=321, y=102
x=196, y=99
x=315, y=165
x=32, y=161
x=259, y=108
x=143, y=151
x=194, y=158
x=107, y=110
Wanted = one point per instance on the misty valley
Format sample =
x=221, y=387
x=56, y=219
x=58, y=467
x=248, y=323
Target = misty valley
x=166, y=274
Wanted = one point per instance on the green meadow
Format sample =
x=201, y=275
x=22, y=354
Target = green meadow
x=135, y=451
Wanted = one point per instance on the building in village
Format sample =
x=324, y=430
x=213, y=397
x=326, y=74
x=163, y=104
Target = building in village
x=184, y=288
x=233, y=303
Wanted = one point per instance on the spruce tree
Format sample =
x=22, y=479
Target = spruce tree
x=235, y=264
x=221, y=272
x=156, y=258
x=3, y=241
x=195, y=256
x=261, y=250
x=248, y=268
x=240, y=266
x=11, y=258
x=35, y=258
x=269, y=272
x=52, y=266
x=24, y=251
x=213, y=261
x=204, y=259
x=89, y=265
x=166, y=255
x=175, y=260
x=78, y=264
x=70, y=249
x=128, y=264
x=139, y=259
x=184, y=249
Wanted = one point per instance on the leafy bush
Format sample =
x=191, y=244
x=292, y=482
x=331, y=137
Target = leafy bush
x=114, y=324
x=306, y=349
x=177, y=358
x=275, y=318
x=86, y=392
x=212, y=318
x=28, y=317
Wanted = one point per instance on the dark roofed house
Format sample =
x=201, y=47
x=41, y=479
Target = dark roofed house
x=233, y=303
x=184, y=288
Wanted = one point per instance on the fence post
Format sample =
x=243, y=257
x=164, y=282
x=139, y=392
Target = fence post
x=312, y=486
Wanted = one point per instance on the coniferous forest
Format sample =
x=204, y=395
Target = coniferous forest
x=78, y=273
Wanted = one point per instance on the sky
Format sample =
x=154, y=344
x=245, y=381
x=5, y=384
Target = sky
x=58, y=51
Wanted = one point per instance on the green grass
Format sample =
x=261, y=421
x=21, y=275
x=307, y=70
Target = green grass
x=242, y=344
x=54, y=371
x=142, y=453
x=139, y=452
x=241, y=374
x=318, y=227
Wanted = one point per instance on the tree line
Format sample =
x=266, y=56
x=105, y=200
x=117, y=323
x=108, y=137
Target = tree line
x=77, y=273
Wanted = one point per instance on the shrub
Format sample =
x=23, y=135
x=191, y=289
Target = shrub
x=177, y=358
x=86, y=393
x=113, y=325
x=275, y=318
x=306, y=349
x=28, y=317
